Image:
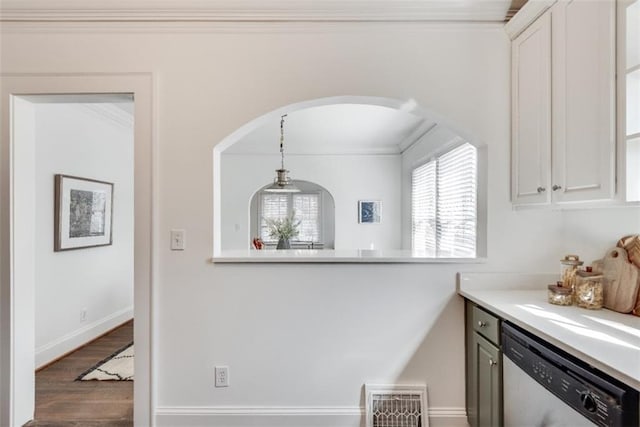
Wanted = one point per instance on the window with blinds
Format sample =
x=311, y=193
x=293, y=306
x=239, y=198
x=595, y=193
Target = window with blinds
x=443, y=204
x=307, y=211
x=306, y=207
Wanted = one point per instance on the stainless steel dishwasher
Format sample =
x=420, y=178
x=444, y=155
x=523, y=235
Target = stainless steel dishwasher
x=545, y=386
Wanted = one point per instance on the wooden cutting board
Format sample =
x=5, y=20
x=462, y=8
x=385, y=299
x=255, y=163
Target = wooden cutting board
x=620, y=281
x=631, y=244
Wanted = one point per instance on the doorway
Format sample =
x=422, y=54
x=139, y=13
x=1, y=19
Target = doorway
x=19, y=236
x=83, y=248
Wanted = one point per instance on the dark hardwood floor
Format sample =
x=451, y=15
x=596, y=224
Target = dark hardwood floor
x=63, y=402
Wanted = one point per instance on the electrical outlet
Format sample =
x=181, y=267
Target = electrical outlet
x=222, y=376
x=83, y=315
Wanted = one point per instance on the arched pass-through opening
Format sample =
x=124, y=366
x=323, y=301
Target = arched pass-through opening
x=327, y=141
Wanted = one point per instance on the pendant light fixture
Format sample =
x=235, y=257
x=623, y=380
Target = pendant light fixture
x=282, y=183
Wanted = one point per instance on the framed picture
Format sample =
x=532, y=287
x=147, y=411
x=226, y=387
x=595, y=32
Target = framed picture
x=83, y=213
x=369, y=211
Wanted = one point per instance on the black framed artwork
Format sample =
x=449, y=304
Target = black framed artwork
x=83, y=213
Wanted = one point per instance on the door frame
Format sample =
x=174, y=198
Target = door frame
x=17, y=306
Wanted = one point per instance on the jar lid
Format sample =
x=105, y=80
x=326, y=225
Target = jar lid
x=560, y=290
x=571, y=260
x=588, y=274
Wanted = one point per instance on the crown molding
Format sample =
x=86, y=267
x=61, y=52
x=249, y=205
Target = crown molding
x=525, y=16
x=110, y=113
x=425, y=127
x=253, y=10
x=231, y=27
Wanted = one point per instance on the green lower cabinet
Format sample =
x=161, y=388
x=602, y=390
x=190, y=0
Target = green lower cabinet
x=483, y=373
x=488, y=368
x=470, y=370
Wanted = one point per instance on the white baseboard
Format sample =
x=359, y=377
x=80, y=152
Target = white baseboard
x=270, y=416
x=66, y=343
x=448, y=417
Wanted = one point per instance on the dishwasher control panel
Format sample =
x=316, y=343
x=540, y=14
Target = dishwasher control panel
x=598, y=397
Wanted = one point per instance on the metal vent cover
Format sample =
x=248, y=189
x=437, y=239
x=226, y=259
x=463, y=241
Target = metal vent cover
x=396, y=405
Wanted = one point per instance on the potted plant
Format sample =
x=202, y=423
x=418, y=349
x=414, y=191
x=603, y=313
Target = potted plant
x=283, y=229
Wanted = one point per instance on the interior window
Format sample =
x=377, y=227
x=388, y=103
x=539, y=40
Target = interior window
x=632, y=71
x=307, y=210
x=305, y=207
x=444, y=204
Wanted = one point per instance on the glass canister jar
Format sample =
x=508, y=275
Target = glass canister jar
x=559, y=295
x=588, y=292
x=568, y=269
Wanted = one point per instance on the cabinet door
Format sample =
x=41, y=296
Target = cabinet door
x=583, y=83
x=471, y=397
x=531, y=114
x=488, y=367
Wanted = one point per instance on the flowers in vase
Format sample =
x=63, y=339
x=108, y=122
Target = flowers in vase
x=283, y=228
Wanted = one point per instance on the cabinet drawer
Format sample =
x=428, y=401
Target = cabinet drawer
x=487, y=325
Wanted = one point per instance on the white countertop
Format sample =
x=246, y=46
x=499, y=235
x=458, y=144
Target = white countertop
x=605, y=339
x=333, y=256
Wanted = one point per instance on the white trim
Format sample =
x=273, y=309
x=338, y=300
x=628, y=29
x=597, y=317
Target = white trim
x=54, y=349
x=420, y=132
x=448, y=412
x=253, y=10
x=110, y=113
x=525, y=16
x=234, y=27
x=13, y=343
x=287, y=416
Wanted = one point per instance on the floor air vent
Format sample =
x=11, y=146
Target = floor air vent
x=396, y=405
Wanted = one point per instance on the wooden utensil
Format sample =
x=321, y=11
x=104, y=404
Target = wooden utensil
x=620, y=281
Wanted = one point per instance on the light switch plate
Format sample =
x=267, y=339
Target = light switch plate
x=178, y=242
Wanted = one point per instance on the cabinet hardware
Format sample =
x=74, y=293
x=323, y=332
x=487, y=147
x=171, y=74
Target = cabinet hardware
x=556, y=187
x=541, y=189
x=482, y=324
x=492, y=363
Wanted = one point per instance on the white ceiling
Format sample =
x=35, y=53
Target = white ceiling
x=336, y=129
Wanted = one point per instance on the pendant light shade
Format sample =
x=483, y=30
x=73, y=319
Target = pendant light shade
x=282, y=183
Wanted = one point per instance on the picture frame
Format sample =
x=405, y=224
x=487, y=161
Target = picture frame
x=83, y=213
x=369, y=211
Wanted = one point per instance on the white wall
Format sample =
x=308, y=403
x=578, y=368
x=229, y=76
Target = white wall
x=74, y=139
x=591, y=232
x=348, y=178
x=300, y=340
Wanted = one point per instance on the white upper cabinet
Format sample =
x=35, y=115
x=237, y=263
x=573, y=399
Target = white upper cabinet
x=531, y=109
x=583, y=135
x=563, y=144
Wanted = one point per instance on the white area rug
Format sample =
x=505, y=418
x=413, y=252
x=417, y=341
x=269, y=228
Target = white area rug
x=117, y=367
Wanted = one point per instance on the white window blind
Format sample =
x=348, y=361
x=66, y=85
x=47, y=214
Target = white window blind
x=275, y=206
x=307, y=208
x=423, y=208
x=444, y=204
